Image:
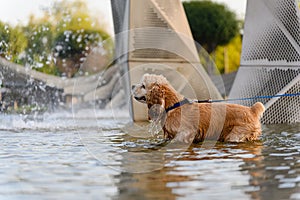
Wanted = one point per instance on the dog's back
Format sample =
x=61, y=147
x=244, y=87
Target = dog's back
x=230, y=122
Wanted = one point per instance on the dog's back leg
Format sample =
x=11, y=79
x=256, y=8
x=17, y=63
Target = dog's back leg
x=242, y=134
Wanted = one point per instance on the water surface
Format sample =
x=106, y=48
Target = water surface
x=67, y=156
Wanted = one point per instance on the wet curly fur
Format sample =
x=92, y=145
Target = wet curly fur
x=197, y=121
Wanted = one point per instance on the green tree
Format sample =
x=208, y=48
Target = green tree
x=212, y=24
x=4, y=39
x=227, y=57
x=71, y=47
x=12, y=42
x=77, y=34
x=59, y=41
x=38, y=53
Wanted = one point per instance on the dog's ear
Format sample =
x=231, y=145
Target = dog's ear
x=156, y=94
x=156, y=102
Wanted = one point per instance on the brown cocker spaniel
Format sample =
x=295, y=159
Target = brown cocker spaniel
x=189, y=121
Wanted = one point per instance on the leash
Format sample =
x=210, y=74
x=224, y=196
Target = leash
x=188, y=101
x=249, y=98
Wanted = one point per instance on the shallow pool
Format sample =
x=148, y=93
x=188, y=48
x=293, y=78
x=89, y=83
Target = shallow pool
x=88, y=156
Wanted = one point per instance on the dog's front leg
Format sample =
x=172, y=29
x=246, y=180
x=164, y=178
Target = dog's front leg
x=185, y=136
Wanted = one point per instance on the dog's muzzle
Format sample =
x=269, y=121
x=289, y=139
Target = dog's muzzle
x=142, y=98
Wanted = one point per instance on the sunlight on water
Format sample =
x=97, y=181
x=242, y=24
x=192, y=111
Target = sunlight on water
x=94, y=155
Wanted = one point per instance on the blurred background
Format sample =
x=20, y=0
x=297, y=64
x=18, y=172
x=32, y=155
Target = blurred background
x=67, y=39
x=55, y=37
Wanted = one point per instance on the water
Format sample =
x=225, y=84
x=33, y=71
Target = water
x=97, y=156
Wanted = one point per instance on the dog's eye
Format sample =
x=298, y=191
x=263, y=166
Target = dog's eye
x=143, y=86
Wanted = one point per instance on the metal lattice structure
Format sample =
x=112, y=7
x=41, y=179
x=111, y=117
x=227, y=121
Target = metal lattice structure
x=270, y=61
x=153, y=36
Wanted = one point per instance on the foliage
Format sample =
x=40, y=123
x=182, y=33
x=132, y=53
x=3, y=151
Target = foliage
x=65, y=31
x=227, y=58
x=212, y=24
x=38, y=53
x=12, y=42
x=71, y=42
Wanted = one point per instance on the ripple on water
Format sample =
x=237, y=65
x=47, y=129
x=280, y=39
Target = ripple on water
x=55, y=158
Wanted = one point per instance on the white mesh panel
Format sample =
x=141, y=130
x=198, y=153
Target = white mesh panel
x=271, y=33
x=270, y=61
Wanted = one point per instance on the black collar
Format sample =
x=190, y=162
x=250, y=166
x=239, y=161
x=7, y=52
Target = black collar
x=178, y=104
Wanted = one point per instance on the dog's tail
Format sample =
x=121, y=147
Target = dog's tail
x=258, y=109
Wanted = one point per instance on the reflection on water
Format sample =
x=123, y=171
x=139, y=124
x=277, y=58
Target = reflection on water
x=84, y=157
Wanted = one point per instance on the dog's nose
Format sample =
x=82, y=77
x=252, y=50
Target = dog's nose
x=132, y=87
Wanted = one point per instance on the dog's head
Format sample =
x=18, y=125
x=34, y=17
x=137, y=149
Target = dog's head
x=146, y=84
x=151, y=90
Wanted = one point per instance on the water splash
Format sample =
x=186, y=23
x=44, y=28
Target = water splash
x=155, y=128
x=1, y=79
